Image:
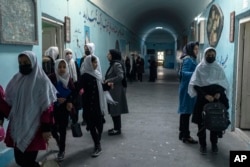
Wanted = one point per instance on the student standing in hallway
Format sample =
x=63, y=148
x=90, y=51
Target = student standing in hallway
x=63, y=108
x=75, y=75
x=139, y=67
x=89, y=49
x=186, y=103
x=49, y=58
x=152, y=69
x=29, y=105
x=94, y=101
x=116, y=74
x=208, y=83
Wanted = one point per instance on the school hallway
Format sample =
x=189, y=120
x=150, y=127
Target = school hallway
x=149, y=134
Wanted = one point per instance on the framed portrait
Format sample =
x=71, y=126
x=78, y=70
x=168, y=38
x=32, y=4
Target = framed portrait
x=201, y=33
x=67, y=30
x=18, y=22
x=215, y=23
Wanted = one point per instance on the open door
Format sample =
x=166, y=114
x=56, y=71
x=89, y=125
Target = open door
x=49, y=37
x=52, y=34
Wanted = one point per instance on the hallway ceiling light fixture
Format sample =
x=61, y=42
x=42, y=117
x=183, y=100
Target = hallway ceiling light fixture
x=158, y=28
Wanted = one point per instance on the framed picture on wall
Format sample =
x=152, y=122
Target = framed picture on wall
x=67, y=29
x=215, y=23
x=232, y=22
x=18, y=22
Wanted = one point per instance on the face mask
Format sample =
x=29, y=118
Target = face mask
x=25, y=69
x=87, y=52
x=210, y=59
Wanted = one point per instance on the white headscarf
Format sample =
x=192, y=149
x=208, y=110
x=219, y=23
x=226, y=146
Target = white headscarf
x=91, y=47
x=71, y=64
x=29, y=96
x=207, y=74
x=65, y=77
x=88, y=68
x=52, y=52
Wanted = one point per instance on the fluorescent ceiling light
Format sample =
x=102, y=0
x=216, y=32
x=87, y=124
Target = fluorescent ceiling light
x=158, y=27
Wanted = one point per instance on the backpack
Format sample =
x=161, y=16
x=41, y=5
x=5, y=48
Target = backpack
x=215, y=117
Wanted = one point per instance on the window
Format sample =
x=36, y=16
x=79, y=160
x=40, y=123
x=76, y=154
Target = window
x=160, y=58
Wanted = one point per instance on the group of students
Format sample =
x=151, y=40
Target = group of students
x=200, y=84
x=38, y=104
x=134, y=67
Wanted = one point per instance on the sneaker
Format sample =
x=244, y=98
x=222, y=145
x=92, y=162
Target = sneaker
x=203, y=150
x=215, y=148
x=60, y=156
x=97, y=151
x=114, y=132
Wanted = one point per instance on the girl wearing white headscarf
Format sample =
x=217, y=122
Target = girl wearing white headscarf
x=94, y=100
x=208, y=83
x=89, y=49
x=67, y=53
x=29, y=97
x=75, y=75
x=52, y=52
x=63, y=108
x=50, y=55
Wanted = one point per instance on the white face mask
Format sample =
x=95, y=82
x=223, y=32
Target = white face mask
x=68, y=57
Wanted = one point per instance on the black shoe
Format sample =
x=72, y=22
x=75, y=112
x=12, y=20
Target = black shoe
x=180, y=136
x=97, y=151
x=219, y=134
x=83, y=123
x=110, y=130
x=57, y=142
x=114, y=132
x=215, y=148
x=203, y=150
x=60, y=156
x=189, y=140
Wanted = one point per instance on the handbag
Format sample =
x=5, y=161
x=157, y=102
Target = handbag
x=76, y=130
x=215, y=117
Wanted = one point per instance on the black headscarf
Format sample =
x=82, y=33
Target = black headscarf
x=116, y=55
x=188, y=49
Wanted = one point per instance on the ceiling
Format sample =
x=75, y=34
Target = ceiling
x=142, y=16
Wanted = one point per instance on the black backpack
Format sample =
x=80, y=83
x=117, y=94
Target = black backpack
x=215, y=117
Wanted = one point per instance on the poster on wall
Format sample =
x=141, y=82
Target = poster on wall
x=214, y=25
x=86, y=34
